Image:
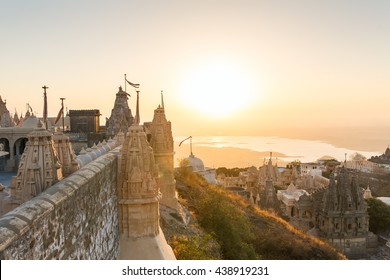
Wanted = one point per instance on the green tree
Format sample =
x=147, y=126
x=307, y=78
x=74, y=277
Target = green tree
x=193, y=247
x=379, y=213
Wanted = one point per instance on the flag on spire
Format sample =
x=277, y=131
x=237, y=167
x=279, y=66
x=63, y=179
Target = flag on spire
x=133, y=85
x=59, y=115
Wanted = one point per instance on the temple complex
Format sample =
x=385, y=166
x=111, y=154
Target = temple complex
x=138, y=199
x=343, y=217
x=383, y=158
x=340, y=216
x=121, y=118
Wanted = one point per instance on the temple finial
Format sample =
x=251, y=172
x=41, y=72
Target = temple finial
x=162, y=100
x=45, y=106
x=137, y=114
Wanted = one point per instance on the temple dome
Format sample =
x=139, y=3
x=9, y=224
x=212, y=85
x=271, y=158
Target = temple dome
x=31, y=122
x=195, y=163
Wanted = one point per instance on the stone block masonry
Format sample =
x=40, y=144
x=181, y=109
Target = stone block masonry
x=76, y=218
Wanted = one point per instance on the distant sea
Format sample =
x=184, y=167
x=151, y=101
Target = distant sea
x=285, y=149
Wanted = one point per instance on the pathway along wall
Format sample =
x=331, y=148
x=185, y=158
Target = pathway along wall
x=74, y=219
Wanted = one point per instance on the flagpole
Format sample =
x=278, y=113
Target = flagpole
x=125, y=83
x=63, y=118
x=45, y=106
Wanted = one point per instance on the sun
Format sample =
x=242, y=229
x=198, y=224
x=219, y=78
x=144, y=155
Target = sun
x=218, y=88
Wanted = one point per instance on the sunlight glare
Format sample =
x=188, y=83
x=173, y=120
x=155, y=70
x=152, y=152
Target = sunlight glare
x=218, y=89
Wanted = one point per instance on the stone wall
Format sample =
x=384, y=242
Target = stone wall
x=74, y=219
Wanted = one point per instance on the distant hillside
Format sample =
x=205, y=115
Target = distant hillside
x=242, y=231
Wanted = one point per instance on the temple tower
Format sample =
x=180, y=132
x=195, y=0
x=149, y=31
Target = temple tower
x=65, y=153
x=138, y=200
x=39, y=167
x=269, y=171
x=3, y=107
x=121, y=117
x=6, y=119
x=268, y=197
x=162, y=144
x=342, y=217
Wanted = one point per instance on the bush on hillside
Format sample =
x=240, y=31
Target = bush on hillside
x=379, y=214
x=244, y=231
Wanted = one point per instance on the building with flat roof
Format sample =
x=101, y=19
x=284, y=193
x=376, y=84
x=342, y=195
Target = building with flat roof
x=84, y=121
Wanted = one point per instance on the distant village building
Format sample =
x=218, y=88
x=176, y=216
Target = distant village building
x=290, y=174
x=383, y=158
x=289, y=199
x=310, y=168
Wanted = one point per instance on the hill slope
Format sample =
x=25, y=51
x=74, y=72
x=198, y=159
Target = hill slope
x=240, y=230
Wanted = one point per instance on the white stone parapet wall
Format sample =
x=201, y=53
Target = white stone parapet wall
x=90, y=154
x=76, y=218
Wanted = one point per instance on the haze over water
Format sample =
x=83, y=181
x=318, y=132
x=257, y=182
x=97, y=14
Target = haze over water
x=244, y=151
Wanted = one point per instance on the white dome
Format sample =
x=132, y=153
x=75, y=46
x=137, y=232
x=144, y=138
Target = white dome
x=195, y=163
x=32, y=122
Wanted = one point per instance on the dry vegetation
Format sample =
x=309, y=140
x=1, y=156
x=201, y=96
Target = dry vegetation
x=242, y=230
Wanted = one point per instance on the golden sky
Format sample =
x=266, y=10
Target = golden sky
x=226, y=67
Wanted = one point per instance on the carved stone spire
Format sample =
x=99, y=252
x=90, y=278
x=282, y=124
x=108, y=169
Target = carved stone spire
x=138, y=201
x=121, y=117
x=39, y=167
x=65, y=153
x=343, y=217
x=162, y=144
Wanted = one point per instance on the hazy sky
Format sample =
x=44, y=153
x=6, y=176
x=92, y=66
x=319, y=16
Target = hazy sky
x=226, y=67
